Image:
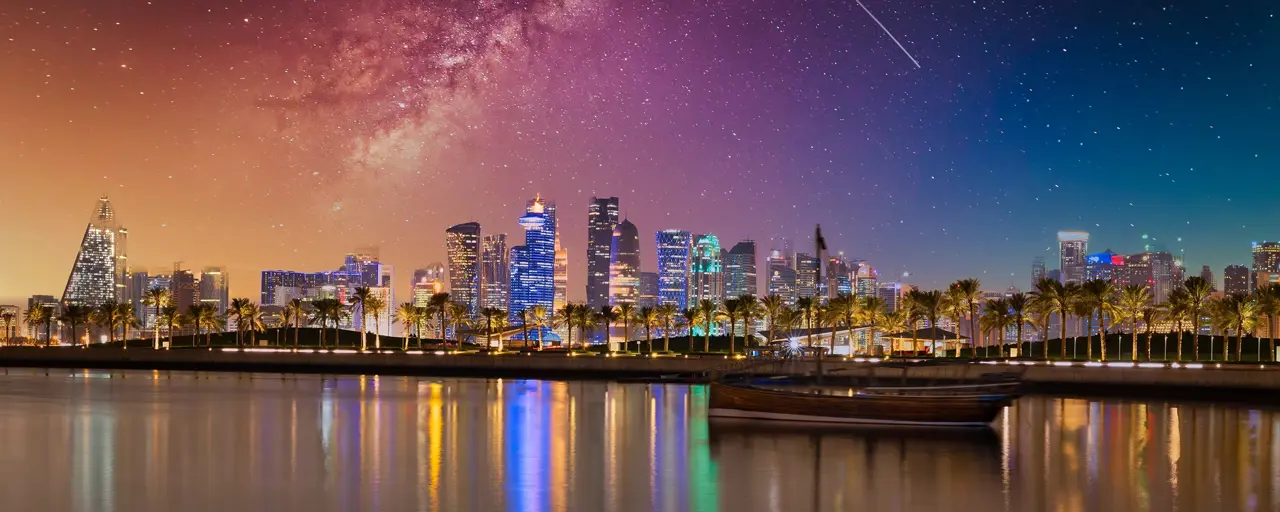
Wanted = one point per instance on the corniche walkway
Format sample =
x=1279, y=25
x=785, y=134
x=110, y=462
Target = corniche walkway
x=1232, y=381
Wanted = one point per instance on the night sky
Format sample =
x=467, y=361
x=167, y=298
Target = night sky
x=283, y=134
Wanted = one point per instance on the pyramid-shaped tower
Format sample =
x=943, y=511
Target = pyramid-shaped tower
x=98, y=273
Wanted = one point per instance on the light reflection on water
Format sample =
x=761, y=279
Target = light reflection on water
x=159, y=441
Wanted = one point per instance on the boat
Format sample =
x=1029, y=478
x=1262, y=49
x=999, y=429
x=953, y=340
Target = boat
x=961, y=406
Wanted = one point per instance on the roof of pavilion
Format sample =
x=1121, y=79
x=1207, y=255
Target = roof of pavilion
x=928, y=334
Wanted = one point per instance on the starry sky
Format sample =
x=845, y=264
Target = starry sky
x=285, y=133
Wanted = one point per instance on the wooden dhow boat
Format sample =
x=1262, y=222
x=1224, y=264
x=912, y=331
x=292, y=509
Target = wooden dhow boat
x=975, y=405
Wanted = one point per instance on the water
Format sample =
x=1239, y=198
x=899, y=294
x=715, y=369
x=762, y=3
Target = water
x=161, y=441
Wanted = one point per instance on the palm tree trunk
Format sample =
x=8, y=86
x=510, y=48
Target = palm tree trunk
x=1102, y=334
x=1062, y=333
x=377, y=332
x=706, y=337
x=1271, y=337
x=972, y=314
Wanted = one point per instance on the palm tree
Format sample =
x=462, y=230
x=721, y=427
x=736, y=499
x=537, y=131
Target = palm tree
x=49, y=317
x=490, y=315
x=251, y=320
x=971, y=291
x=914, y=316
x=844, y=309
x=1268, y=297
x=626, y=312
x=500, y=323
x=772, y=306
x=235, y=309
x=74, y=315
x=929, y=305
x=524, y=315
x=649, y=318
x=872, y=311
x=1198, y=289
x=359, y=299
x=587, y=320
x=1133, y=300
x=33, y=317
x=1101, y=296
x=439, y=304
x=893, y=322
x=606, y=317
x=169, y=316
x=565, y=318
x=1040, y=312
x=107, y=315
x=707, y=308
x=320, y=315
x=1243, y=312
x=409, y=316
x=375, y=304
x=8, y=318
x=668, y=314
x=1150, y=315
x=955, y=306
x=691, y=317
x=157, y=297
x=126, y=317
x=996, y=318
x=1055, y=297
x=807, y=308
x=458, y=317
x=1220, y=321
x=295, y=309
x=1178, y=310
x=1018, y=310
x=729, y=311
x=539, y=314
x=748, y=310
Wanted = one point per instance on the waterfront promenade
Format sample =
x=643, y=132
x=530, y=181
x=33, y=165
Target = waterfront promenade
x=1248, y=382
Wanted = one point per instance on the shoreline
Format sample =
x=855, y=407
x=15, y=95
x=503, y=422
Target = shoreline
x=1243, y=383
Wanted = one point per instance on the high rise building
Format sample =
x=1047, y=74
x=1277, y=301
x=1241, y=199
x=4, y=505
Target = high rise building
x=708, y=270
x=136, y=285
x=215, y=288
x=648, y=289
x=675, y=250
x=1038, y=269
x=97, y=276
x=1104, y=266
x=1235, y=280
x=184, y=292
x=1266, y=258
x=782, y=277
x=624, y=265
x=533, y=264
x=462, y=243
x=1072, y=248
x=50, y=303
x=495, y=272
x=867, y=283
x=1207, y=274
x=561, y=276
x=1163, y=279
x=891, y=294
x=602, y=218
x=806, y=275
x=740, y=270
x=840, y=276
x=428, y=281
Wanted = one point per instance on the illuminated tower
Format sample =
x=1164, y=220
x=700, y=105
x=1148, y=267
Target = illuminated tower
x=427, y=282
x=533, y=264
x=1038, y=270
x=562, y=276
x=675, y=249
x=708, y=270
x=740, y=270
x=215, y=288
x=462, y=243
x=624, y=265
x=602, y=218
x=782, y=277
x=97, y=276
x=1072, y=248
x=1235, y=280
x=1266, y=259
x=806, y=275
x=495, y=272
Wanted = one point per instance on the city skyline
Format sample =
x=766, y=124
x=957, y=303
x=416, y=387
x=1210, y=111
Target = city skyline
x=781, y=118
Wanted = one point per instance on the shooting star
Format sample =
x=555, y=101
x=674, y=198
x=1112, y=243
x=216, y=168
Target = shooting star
x=886, y=31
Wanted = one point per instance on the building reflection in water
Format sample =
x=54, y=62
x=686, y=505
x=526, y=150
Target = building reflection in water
x=152, y=441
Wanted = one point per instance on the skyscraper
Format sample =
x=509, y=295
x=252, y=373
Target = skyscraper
x=495, y=272
x=1266, y=258
x=1235, y=280
x=708, y=270
x=782, y=277
x=806, y=275
x=1038, y=269
x=533, y=264
x=740, y=270
x=1163, y=278
x=868, y=281
x=1106, y=266
x=462, y=243
x=624, y=265
x=136, y=285
x=602, y=218
x=648, y=289
x=184, y=292
x=215, y=288
x=561, y=276
x=891, y=294
x=675, y=249
x=97, y=276
x=839, y=276
x=1072, y=248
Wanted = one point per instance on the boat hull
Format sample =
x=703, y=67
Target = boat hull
x=863, y=409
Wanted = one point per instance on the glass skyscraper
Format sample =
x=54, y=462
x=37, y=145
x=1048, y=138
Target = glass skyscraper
x=533, y=264
x=674, y=262
x=624, y=265
x=495, y=272
x=462, y=243
x=602, y=218
x=806, y=275
x=97, y=276
x=740, y=270
x=1072, y=249
x=708, y=270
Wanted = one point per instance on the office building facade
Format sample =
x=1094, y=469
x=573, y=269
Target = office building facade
x=1073, y=247
x=675, y=257
x=97, y=275
x=740, y=270
x=462, y=245
x=495, y=272
x=602, y=218
x=624, y=265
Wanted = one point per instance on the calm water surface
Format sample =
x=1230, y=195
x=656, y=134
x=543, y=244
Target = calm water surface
x=159, y=441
